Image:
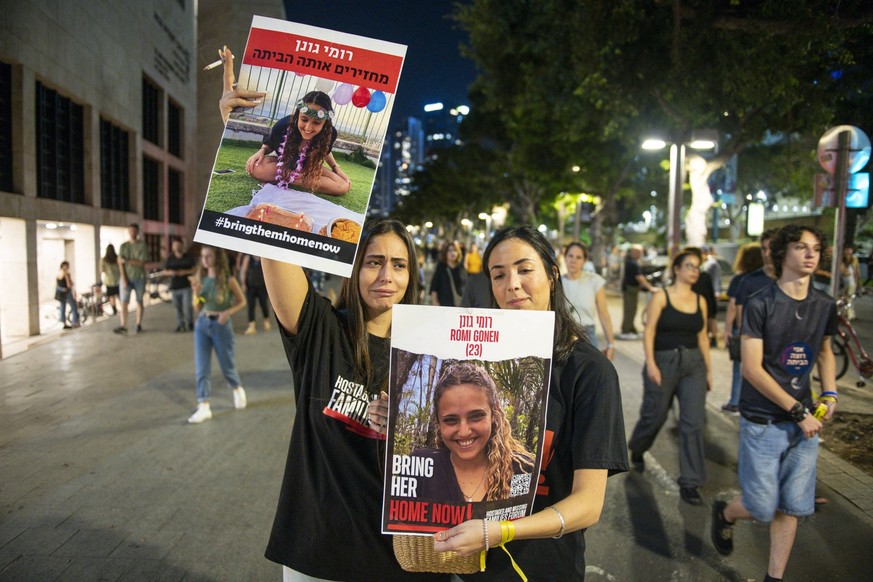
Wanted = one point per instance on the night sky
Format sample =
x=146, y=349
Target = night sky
x=433, y=70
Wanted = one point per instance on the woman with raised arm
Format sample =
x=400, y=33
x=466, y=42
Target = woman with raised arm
x=328, y=520
x=585, y=441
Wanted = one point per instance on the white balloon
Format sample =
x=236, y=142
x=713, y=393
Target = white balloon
x=324, y=85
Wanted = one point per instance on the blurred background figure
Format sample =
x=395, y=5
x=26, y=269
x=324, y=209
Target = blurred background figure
x=447, y=284
x=850, y=275
x=473, y=260
x=586, y=293
x=111, y=276
x=749, y=258
x=179, y=268
x=253, y=285
x=632, y=282
x=65, y=294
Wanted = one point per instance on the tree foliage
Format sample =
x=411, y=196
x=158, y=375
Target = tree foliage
x=566, y=82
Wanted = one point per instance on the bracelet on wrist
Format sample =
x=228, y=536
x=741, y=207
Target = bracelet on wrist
x=485, y=533
x=831, y=394
x=798, y=412
x=561, y=517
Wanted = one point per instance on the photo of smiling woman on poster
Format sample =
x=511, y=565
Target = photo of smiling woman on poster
x=476, y=457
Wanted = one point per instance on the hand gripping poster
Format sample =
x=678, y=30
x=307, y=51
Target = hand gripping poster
x=468, y=391
x=293, y=174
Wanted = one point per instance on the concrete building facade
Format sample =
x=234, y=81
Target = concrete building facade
x=100, y=119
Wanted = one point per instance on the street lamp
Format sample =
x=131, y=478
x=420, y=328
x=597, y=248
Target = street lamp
x=703, y=140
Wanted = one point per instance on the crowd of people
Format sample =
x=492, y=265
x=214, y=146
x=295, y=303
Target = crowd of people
x=333, y=479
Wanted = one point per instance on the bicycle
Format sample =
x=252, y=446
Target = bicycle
x=91, y=303
x=847, y=346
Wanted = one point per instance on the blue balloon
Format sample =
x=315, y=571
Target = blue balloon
x=377, y=102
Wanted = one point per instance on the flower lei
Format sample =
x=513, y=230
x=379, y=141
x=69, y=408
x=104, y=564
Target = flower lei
x=294, y=176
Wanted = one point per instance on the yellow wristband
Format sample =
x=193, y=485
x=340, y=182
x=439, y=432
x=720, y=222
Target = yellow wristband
x=507, y=532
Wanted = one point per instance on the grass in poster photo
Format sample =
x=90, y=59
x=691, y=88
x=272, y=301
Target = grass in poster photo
x=230, y=190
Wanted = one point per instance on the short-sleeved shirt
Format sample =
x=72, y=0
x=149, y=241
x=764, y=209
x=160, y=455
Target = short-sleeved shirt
x=631, y=270
x=277, y=134
x=134, y=250
x=584, y=430
x=183, y=263
x=792, y=332
x=328, y=520
x=751, y=284
x=582, y=293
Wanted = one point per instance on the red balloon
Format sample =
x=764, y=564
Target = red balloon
x=361, y=97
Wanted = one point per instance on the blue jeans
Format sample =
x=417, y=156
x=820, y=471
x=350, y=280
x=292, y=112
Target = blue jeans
x=591, y=332
x=184, y=309
x=209, y=334
x=736, y=383
x=777, y=469
x=74, y=309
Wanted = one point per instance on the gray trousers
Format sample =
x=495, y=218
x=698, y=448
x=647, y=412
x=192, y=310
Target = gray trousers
x=683, y=375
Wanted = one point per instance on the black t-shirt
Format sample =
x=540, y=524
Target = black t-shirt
x=277, y=134
x=792, y=332
x=442, y=284
x=584, y=430
x=704, y=287
x=328, y=521
x=750, y=284
x=182, y=263
x=631, y=270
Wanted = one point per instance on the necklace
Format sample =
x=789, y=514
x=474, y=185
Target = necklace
x=469, y=497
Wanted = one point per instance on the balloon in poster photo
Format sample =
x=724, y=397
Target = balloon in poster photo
x=361, y=97
x=343, y=94
x=377, y=102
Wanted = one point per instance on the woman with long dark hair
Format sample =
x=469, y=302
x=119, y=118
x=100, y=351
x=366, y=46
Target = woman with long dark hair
x=677, y=366
x=447, y=284
x=331, y=495
x=302, y=143
x=585, y=440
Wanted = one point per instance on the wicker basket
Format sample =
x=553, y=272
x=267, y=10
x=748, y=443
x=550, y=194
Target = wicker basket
x=416, y=554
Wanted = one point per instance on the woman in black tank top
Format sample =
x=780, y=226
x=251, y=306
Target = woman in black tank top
x=677, y=365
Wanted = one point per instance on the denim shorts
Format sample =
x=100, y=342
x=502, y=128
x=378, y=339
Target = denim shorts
x=777, y=469
x=137, y=285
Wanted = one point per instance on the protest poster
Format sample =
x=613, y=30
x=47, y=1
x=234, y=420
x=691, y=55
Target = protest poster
x=322, y=126
x=468, y=392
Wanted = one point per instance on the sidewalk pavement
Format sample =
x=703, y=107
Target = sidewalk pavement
x=837, y=474
x=101, y=478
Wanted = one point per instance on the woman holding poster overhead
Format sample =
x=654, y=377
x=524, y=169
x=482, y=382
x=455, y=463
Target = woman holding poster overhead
x=585, y=440
x=330, y=500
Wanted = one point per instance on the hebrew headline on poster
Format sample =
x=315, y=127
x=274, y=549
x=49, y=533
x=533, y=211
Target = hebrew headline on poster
x=293, y=175
x=468, y=391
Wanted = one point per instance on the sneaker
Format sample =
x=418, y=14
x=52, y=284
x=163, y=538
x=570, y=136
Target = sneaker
x=239, y=397
x=722, y=530
x=68, y=326
x=628, y=336
x=251, y=329
x=181, y=328
x=202, y=413
x=732, y=409
x=690, y=495
x=120, y=330
x=267, y=325
x=138, y=328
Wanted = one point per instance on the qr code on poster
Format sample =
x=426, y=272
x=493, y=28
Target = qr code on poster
x=520, y=485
